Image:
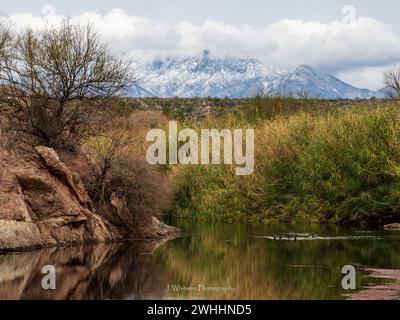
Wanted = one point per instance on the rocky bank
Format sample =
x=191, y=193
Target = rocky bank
x=44, y=203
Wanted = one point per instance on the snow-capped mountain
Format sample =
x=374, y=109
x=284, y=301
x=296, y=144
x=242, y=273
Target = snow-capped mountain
x=203, y=76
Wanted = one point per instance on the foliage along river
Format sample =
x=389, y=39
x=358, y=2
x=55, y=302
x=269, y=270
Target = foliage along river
x=216, y=261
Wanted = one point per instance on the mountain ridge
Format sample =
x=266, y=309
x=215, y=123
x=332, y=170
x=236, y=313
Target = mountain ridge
x=203, y=76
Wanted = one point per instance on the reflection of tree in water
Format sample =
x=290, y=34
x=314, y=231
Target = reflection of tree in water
x=131, y=273
x=83, y=272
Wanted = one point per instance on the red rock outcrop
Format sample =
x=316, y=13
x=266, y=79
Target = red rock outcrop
x=44, y=203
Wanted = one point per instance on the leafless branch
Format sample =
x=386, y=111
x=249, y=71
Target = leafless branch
x=391, y=80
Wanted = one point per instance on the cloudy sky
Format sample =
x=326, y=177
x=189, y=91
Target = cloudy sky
x=355, y=40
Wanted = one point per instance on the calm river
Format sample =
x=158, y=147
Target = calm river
x=215, y=261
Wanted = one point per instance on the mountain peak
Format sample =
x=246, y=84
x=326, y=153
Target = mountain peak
x=305, y=68
x=206, y=52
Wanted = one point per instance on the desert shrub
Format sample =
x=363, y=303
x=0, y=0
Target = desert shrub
x=119, y=151
x=145, y=190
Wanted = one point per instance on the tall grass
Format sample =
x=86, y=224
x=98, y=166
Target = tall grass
x=339, y=166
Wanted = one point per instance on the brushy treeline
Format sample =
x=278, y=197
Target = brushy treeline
x=340, y=165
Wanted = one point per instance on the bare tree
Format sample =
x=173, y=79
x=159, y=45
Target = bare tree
x=391, y=80
x=54, y=78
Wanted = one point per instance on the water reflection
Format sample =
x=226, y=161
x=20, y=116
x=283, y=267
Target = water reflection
x=216, y=261
x=106, y=271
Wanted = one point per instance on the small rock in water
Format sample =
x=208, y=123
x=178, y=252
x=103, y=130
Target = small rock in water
x=392, y=226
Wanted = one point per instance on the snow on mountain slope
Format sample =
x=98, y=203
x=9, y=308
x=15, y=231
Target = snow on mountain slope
x=203, y=76
x=304, y=80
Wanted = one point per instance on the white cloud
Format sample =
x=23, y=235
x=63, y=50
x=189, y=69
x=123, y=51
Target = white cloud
x=335, y=45
x=364, y=77
x=355, y=50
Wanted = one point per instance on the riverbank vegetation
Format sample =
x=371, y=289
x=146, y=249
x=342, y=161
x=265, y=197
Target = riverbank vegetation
x=336, y=165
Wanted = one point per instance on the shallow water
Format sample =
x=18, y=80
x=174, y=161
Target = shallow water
x=216, y=261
